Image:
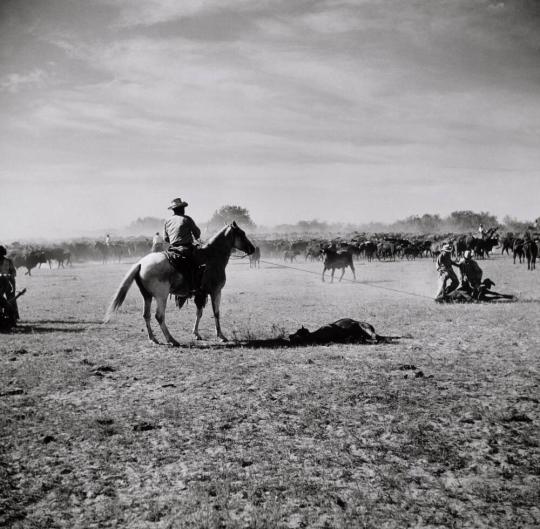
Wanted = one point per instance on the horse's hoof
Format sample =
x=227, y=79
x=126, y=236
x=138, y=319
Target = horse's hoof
x=173, y=344
x=222, y=339
x=198, y=337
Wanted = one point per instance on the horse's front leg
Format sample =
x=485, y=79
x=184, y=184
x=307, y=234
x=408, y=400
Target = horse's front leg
x=216, y=301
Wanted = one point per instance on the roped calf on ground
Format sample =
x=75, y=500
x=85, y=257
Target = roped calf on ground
x=345, y=330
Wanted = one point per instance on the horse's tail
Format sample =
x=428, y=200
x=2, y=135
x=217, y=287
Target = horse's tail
x=120, y=295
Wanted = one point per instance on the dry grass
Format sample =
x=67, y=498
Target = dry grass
x=101, y=429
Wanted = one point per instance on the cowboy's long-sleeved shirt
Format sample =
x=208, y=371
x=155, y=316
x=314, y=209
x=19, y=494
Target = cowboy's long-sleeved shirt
x=180, y=230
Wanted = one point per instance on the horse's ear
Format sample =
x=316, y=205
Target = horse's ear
x=233, y=224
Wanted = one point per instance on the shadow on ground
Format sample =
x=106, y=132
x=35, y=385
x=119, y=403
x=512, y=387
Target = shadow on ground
x=32, y=328
x=277, y=343
x=65, y=322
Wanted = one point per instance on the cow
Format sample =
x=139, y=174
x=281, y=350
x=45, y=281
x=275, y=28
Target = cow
x=313, y=253
x=369, y=249
x=461, y=246
x=255, y=258
x=411, y=252
x=337, y=259
x=59, y=255
x=507, y=243
x=29, y=259
x=289, y=255
x=435, y=249
x=425, y=248
x=386, y=250
x=530, y=249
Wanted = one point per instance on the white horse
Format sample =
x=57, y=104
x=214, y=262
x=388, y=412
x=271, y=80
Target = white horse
x=157, y=278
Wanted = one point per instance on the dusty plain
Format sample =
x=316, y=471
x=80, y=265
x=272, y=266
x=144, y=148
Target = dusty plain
x=101, y=429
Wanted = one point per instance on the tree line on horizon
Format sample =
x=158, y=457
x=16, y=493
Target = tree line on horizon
x=457, y=221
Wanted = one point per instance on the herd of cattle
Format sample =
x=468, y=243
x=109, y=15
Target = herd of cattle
x=341, y=251
x=64, y=254
x=385, y=247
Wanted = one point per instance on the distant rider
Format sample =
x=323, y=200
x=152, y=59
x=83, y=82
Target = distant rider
x=446, y=272
x=481, y=231
x=157, y=243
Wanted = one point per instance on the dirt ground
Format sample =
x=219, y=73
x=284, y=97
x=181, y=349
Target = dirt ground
x=101, y=429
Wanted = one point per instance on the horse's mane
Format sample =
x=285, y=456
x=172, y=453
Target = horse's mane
x=216, y=235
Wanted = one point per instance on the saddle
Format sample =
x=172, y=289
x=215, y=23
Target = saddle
x=186, y=262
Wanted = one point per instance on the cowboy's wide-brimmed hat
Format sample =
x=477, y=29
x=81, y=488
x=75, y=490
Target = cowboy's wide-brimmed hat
x=177, y=203
x=446, y=248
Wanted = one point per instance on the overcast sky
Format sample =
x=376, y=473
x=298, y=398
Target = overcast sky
x=338, y=110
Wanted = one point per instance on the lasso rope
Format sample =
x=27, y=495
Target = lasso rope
x=349, y=280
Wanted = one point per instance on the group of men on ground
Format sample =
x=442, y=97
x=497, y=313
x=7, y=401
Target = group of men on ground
x=471, y=273
x=471, y=287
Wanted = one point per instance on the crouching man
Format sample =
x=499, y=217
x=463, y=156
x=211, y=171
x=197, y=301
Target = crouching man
x=470, y=272
x=8, y=303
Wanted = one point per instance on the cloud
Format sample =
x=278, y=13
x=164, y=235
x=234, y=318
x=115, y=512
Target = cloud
x=148, y=12
x=14, y=82
x=234, y=95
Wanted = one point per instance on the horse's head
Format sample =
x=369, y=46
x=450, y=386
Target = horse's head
x=239, y=239
x=299, y=336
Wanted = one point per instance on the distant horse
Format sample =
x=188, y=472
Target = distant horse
x=337, y=259
x=255, y=258
x=157, y=278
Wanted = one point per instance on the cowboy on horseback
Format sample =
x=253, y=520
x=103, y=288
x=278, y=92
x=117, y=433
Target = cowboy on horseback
x=181, y=232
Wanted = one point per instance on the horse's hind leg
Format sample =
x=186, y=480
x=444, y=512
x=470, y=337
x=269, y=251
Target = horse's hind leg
x=216, y=301
x=147, y=315
x=342, y=274
x=161, y=303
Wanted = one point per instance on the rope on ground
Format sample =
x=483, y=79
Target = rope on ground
x=364, y=283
